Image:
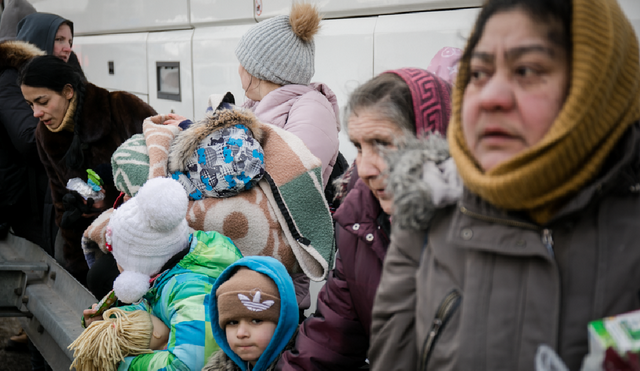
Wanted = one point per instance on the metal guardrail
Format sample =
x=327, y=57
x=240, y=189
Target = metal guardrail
x=48, y=300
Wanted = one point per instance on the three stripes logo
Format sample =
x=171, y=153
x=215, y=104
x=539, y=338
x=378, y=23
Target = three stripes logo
x=255, y=305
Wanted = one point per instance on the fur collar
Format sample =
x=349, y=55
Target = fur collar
x=422, y=179
x=187, y=141
x=14, y=53
x=67, y=122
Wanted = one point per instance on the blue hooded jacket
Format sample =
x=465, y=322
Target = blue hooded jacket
x=287, y=322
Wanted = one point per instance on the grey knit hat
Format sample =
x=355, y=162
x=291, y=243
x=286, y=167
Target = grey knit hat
x=281, y=49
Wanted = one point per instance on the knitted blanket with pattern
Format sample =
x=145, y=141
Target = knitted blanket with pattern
x=302, y=240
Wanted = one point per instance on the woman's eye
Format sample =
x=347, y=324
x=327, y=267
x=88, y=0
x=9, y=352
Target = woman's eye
x=478, y=75
x=525, y=71
x=256, y=321
x=231, y=323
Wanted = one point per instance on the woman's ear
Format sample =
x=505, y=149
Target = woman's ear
x=68, y=91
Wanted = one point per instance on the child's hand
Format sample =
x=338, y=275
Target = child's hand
x=160, y=334
x=88, y=312
x=174, y=119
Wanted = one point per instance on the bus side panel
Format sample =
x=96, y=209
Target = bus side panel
x=94, y=17
x=412, y=40
x=351, y=8
x=632, y=9
x=115, y=62
x=344, y=55
x=205, y=12
x=165, y=48
x=215, y=66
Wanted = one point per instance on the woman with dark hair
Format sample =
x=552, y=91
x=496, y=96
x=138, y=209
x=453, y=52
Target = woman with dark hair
x=394, y=105
x=541, y=238
x=25, y=34
x=80, y=126
x=26, y=205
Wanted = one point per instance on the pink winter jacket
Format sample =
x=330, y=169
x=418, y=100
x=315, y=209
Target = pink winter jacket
x=310, y=112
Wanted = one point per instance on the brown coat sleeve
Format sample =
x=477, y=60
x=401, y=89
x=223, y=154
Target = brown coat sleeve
x=393, y=337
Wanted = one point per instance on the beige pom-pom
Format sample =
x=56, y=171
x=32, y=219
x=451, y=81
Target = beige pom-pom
x=305, y=20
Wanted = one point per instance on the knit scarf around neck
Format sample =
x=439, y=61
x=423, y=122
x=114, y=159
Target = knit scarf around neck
x=67, y=121
x=603, y=101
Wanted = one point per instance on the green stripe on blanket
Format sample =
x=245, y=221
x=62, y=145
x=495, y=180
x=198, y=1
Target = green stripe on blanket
x=304, y=205
x=130, y=165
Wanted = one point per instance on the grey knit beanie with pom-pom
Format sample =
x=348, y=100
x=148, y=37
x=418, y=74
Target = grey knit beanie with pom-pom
x=281, y=49
x=145, y=232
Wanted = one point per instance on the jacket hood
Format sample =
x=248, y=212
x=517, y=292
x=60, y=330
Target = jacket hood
x=188, y=141
x=13, y=13
x=40, y=30
x=13, y=54
x=287, y=322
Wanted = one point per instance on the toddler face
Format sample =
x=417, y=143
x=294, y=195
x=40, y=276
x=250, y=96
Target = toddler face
x=248, y=338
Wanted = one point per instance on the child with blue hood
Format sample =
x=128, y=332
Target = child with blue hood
x=254, y=315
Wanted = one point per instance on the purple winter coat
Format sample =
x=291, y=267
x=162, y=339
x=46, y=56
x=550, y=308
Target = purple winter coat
x=311, y=113
x=336, y=337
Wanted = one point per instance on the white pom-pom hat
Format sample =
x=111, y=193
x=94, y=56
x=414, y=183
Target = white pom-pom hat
x=145, y=232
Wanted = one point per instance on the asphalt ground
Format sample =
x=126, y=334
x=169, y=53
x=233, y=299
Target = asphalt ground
x=11, y=361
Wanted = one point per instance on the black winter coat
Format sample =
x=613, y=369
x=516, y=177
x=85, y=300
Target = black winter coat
x=23, y=181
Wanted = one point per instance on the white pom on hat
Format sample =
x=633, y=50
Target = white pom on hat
x=147, y=231
x=130, y=286
x=164, y=202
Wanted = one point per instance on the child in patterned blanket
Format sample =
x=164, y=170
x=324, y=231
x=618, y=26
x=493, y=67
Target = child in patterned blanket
x=219, y=156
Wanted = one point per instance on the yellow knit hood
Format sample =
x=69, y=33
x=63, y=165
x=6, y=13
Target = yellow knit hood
x=603, y=101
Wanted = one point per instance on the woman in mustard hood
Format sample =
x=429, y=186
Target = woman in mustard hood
x=541, y=236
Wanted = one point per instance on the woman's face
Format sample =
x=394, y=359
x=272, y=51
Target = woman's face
x=249, y=84
x=519, y=82
x=370, y=133
x=48, y=106
x=62, y=43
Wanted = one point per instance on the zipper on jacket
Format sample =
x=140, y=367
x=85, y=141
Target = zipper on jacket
x=445, y=311
x=547, y=240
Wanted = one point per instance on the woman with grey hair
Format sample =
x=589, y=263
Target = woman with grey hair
x=397, y=103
